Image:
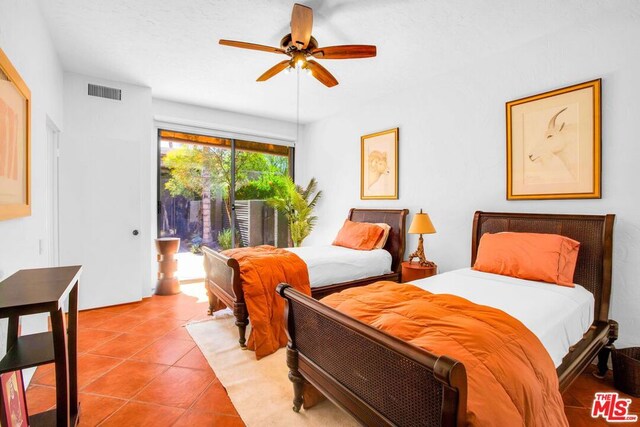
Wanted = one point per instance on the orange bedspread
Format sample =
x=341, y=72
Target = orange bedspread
x=511, y=377
x=262, y=268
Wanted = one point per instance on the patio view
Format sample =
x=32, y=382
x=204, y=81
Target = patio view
x=213, y=192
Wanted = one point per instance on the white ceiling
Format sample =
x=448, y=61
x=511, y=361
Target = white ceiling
x=172, y=45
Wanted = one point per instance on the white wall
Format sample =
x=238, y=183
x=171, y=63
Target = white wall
x=452, y=147
x=255, y=128
x=25, y=40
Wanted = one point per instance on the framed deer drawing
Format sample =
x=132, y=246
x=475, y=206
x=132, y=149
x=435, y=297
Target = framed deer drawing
x=379, y=165
x=553, y=144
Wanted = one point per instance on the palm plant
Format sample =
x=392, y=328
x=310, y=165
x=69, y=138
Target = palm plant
x=297, y=204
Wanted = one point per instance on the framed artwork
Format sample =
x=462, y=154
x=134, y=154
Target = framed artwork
x=15, y=143
x=13, y=411
x=553, y=144
x=379, y=165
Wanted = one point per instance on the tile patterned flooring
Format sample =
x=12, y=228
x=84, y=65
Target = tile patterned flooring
x=138, y=366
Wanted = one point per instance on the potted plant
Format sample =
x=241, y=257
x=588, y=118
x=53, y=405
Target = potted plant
x=297, y=204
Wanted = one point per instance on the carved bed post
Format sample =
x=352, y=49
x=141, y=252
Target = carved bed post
x=453, y=375
x=603, y=355
x=295, y=377
x=242, y=320
x=292, y=353
x=605, y=297
x=213, y=301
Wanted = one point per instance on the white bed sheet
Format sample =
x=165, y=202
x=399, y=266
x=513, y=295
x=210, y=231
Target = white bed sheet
x=335, y=264
x=557, y=315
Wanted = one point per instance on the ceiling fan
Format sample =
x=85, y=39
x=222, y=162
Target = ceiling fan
x=299, y=45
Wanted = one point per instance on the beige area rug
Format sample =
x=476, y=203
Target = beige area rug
x=259, y=389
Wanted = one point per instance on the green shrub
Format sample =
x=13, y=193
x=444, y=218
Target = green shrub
x=224, y=239
x=297, y=204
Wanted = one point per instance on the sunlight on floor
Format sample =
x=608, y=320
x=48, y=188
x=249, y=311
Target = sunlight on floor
x=195, y=290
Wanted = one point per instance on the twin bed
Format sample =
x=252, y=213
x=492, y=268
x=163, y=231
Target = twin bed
x=422, y=388
x=331, y=268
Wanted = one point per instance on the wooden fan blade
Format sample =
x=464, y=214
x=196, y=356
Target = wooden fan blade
x=252, y=46
x=301, y=24
x=273, y=70
x=344, y=52
x=322, y=74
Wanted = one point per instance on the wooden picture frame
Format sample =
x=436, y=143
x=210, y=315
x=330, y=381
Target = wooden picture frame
x=13, y=401
x=554, y=144
x=379, y=165
x=15, y=143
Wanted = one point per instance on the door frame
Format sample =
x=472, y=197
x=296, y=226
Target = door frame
x=53, y=192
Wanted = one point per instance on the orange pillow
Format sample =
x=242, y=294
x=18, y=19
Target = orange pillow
x=358, y=235
x=547, y=258
x=385, y=234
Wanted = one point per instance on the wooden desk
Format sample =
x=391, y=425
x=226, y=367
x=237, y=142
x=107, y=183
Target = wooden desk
x=44, y=290
x=414, y=271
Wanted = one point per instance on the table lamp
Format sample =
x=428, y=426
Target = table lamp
x=421, y=224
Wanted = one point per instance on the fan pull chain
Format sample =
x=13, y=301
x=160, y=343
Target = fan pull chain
x=297, y=105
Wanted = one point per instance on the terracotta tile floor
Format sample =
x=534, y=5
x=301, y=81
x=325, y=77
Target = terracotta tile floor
x=578, y=399
x=139, y=367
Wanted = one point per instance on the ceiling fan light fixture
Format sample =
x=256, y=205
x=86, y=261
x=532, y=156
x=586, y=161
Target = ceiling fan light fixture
x=302, y=48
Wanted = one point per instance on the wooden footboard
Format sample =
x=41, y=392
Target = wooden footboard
x=375, y=377
x=223, y=276
x=223, y=286
x=381, y=380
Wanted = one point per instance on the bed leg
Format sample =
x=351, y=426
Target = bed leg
x=242, y=320
x=295, y=378
x=213, y=301
x=603, y=355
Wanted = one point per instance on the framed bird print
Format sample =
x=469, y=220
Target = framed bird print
x=554, y=144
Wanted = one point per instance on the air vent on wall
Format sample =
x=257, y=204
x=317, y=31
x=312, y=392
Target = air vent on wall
x=105, y=92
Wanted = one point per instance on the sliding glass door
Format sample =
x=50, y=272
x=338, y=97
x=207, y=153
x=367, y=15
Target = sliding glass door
x=260, y=172
x=214, y=191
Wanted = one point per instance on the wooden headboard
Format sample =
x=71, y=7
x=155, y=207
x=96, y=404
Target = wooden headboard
x=594, y=232
x=397, y=219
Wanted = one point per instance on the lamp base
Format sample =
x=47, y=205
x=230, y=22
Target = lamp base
x=419, y=253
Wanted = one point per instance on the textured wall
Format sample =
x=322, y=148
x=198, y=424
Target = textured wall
x=452, y=146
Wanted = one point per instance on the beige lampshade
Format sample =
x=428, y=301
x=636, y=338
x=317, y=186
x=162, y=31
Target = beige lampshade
x=421, y=224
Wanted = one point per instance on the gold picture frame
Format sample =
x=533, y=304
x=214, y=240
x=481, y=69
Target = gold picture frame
x=554, y=144
x=15, y=143
x=379, y=165
x=13, y=402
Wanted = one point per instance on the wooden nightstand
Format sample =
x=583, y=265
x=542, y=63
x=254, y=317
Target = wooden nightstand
x=414, y=271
